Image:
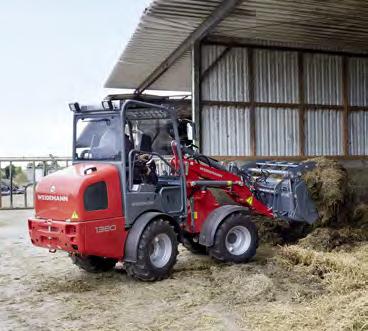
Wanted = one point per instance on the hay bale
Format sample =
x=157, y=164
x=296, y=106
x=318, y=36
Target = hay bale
x=339, y=223
x=329, y=188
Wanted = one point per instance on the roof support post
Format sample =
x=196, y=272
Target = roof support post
x=224, y=9
x=196, y=91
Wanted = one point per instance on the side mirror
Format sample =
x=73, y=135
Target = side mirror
x=187, y=131
x=191, y=131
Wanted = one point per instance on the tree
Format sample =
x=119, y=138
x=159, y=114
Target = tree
x=13, y=171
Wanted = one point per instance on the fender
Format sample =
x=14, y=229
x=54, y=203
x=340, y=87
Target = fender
x=134, y=234
x=214, y=219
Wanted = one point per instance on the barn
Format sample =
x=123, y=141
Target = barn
x=285, y=79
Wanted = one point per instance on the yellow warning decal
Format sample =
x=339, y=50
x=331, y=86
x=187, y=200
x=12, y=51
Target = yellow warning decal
x=75, y=215
x=195, y=214
x=250, y=201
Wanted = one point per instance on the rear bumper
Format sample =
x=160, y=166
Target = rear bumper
x=100, y=237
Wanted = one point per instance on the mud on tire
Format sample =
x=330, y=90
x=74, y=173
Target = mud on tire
x=157, y=252
x=236, y=239
x=93, y=264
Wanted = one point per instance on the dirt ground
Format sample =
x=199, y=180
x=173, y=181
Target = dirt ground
x=287, y=288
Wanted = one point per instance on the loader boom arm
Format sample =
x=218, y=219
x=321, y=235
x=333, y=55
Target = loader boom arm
x=202, y=176
x=271, y=189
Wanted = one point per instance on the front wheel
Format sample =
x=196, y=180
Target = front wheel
x=236, y=239
x=157, y=252
x=93, y=264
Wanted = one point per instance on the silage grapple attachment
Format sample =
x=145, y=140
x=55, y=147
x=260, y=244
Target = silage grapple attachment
x=280, y=186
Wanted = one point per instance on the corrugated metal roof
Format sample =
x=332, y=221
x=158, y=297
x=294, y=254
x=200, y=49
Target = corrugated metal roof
x=334, y=25
x=164, y=25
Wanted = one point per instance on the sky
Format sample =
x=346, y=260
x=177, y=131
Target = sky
x=54, y=52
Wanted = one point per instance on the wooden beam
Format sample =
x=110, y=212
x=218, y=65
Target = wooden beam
x=215, y=62
x=252, y=106
x=287, y=158
x=236, y=42
x=308, y=106
x=301, y=104
x=223, y=10
x=345, y=119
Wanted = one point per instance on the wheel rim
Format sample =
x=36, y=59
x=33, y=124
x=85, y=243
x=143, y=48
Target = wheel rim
x=160, y=250
x=238, y=240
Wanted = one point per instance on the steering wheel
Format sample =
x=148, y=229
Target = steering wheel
x=144, y=158
x=144, y=170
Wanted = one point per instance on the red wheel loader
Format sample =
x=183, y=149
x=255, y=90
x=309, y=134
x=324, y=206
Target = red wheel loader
x=138, y=187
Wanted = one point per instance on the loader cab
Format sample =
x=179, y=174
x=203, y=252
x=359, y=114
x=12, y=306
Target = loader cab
x=140, y=139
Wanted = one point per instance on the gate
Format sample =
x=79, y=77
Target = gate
x=19, y=176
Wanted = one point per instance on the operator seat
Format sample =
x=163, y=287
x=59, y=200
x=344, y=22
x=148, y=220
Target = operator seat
x=110, y=144
x=146, y=143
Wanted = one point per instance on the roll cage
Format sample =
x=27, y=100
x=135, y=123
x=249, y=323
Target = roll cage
x=129, y=111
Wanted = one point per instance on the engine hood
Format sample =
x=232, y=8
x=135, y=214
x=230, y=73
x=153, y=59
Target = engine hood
x=61, y=195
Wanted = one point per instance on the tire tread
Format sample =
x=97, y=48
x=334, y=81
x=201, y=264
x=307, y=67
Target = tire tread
x=218, y=252
x=141, y=269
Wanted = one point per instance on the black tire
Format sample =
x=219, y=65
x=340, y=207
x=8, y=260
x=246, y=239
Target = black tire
x=227, y=232
x=93, y=264
x=145, y=268
x=194, y=247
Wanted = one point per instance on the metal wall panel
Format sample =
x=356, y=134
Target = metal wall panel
x=323, y=79
x=358, y=81
x=276, y=76
x=276, y=81
x=323, y=132
x=225, y=130
x=277, y=132
x=358, y=127
x=228, y=79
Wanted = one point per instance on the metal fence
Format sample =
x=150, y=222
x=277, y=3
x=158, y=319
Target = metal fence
x=19, y=176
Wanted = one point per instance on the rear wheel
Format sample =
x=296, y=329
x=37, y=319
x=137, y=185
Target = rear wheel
x=236, y=239
x=93, y=263
x=157, y=252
